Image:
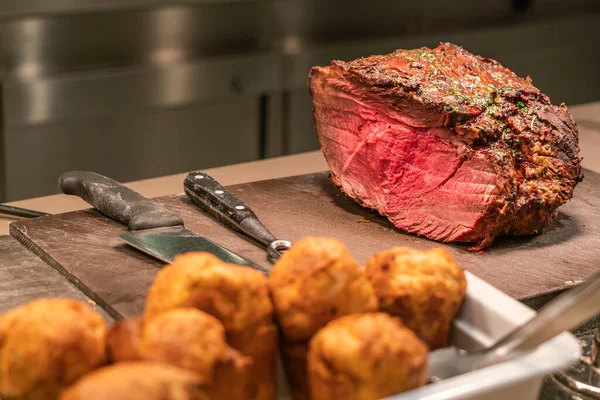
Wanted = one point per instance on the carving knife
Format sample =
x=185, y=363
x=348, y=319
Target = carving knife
x=152, y=229
x=218, y=202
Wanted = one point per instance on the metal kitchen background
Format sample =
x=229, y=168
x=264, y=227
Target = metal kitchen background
x=137, y=88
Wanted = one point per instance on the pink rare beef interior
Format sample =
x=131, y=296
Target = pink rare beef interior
x=433, y=160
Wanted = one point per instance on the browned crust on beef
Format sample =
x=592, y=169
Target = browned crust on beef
x=532, y=143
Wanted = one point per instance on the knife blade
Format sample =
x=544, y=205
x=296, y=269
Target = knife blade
x=218, y=202
x=152, y=229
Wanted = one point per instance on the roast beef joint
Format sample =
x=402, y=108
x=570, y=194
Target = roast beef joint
x=446, y=144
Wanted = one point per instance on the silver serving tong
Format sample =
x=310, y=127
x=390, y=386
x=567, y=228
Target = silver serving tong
x=565, y=312
x=220, y=203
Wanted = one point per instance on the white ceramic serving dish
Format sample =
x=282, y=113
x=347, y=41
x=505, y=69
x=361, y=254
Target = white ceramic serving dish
x=486, y=316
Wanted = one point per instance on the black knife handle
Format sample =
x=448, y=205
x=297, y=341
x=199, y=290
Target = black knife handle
x=221, y=204
x=117, y=201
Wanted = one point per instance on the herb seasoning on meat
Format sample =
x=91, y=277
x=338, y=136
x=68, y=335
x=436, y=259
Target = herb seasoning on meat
x=446, y=144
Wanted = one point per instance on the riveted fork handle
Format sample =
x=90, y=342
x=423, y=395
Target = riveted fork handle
x=221, y=204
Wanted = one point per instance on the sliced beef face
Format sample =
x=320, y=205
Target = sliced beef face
x=446, y=144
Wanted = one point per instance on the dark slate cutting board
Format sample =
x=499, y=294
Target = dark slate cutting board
x=24, y=278
x=84, y=245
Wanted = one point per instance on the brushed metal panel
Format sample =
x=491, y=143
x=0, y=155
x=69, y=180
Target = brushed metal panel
x=36, y=45
x=19, y=8
x=119, y=90
x=499, y=43
x=569, y=74
x=141, y=144
x=2, y=151
x=558, y=8
x=301, y=127
x=309, y=22
x=273, y=125
x=559, y=56
x=439, y=15
x=318, y=21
